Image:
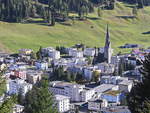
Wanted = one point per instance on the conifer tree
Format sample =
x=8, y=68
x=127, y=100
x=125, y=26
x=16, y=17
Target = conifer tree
x=139, y=97
x=135, y=11
x=39, y=99
x=99, y=12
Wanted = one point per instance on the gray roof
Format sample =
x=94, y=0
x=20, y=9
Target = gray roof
x=104, y=87
x=116, y=109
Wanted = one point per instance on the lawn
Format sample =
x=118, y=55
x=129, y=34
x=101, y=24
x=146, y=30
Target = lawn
x=91, y=32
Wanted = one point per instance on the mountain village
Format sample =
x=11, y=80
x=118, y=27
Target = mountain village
x=82, y=79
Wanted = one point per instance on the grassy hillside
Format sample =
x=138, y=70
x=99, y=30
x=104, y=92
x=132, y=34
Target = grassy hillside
x=91, y=32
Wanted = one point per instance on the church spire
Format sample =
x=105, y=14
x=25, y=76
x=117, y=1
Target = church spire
x=107, y=48
x=107, y=42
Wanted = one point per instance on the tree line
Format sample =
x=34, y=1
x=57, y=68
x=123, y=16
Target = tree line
x=49, y=10
x=140, y=3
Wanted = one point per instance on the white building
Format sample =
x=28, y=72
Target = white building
x=41, y=65
x=70, y=62
x=70, y=49
x=62, y=103
x=106, y=68
x=46, y=50
x=124, y=84
x=87, y=94
x=18, y=108
x=51, y=52
x=18, y=86
x=54, y=54
x=88, y=72
x=97, y=104
x=115, y=60
x=80, y=61
x=89, y=52
x=76, y=92
x=75, y=53
x=110, y=79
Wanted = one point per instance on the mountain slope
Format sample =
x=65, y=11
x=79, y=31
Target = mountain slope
x=91, y=32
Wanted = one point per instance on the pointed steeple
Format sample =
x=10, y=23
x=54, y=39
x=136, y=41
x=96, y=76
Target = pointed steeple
x=107, y=42
x=107, y=48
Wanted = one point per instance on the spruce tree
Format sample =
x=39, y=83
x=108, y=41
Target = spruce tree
x=99, y=12
x=135, y=11
x=139, y=97
x=39, y=99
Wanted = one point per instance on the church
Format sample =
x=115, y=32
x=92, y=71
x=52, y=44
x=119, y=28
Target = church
x=104, y=53
x=107, y=48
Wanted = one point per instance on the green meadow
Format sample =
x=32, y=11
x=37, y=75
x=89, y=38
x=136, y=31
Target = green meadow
x=91, y=32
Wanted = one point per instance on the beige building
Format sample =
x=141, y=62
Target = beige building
x=34, y=76
x=25, y=51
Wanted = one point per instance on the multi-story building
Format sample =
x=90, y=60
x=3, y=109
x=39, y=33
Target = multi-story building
x=62, y=103
x=97, y=104
x=87, y=94
x=124, y=84
x=33, y=76
x=88, y=72
x=76, y=53
x=89, y=52
x=112, y=96
x=54, y=54
x=18, y=86
x=51, y=52
x=20, y=74
x=106, y=68
x=76, y=92
x=41, y=65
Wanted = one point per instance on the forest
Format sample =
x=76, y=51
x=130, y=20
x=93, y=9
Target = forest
x=49, y=10
x=52, y=10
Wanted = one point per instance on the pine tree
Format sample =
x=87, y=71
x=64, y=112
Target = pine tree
x=39, y=53
x=68, y=76
x=139, y=97
x=99, y=12
x=7, y=105
x=39, y=99
x=140, y=3
x=135, y=11
x=96, y=76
